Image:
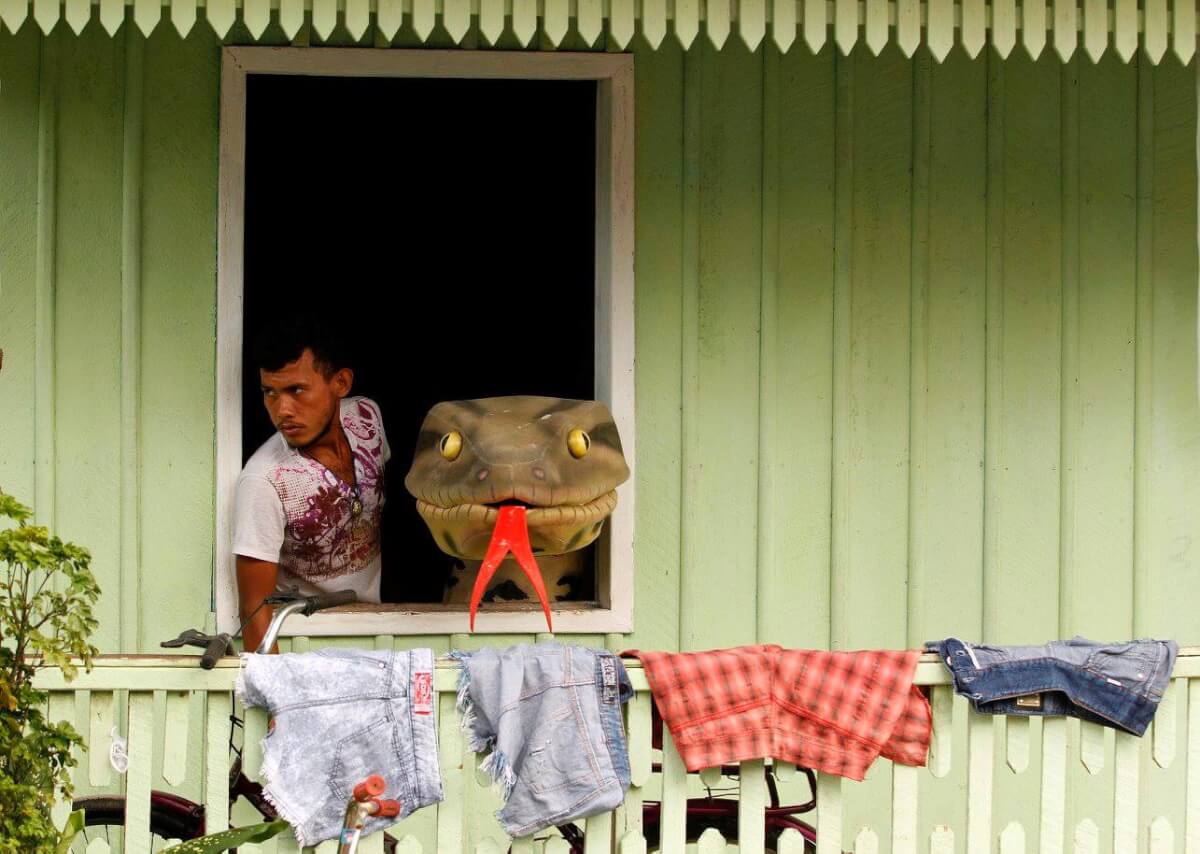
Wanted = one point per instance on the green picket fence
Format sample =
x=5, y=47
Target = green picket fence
x=992, y=784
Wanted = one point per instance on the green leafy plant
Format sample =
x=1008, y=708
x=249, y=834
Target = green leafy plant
x=215, y=843
x=46, y=596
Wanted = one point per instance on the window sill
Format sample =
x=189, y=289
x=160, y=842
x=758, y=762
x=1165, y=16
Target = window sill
x=493, y=618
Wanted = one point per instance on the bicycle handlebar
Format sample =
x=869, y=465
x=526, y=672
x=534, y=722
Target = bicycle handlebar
x=215, y=651
x=329, y=600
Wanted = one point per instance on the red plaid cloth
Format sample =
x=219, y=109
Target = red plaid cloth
x=829, y=711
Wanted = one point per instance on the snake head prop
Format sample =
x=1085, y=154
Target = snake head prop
x=530, y=475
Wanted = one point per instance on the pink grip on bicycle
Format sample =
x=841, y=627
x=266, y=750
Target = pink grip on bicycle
x=372, y=787
x=387, y=809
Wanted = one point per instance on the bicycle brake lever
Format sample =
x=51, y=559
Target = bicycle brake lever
x=188, y=637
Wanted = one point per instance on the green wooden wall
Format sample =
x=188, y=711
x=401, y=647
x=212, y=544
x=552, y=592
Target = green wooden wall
x=916, y=342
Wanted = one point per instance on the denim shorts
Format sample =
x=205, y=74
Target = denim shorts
x=1114, y=684
x=551, y=717
x=340, y=716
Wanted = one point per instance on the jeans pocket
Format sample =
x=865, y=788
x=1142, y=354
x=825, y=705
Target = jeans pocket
x=558, y=758
x=367, y=751
x=1130, y=665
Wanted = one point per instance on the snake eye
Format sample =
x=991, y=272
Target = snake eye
x=578, y=443
x=451, y=445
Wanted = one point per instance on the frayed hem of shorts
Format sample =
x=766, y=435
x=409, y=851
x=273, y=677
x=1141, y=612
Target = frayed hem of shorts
x=496, y=764
x=469, y=721
x=499, y=768
x=281, y=809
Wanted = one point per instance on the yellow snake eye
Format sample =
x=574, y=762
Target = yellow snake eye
x=578, y=443
x=451, y=445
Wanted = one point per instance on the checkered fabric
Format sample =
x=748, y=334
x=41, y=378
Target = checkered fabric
x=829, y=711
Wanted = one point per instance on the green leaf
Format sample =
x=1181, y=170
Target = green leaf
x=217, y=842
x=69, y=832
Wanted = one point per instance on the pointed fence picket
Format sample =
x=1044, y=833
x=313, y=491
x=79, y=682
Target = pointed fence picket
x=167, y=709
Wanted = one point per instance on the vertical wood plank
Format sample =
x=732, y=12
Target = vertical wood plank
x=1154, y=32
x=589, y=19
x=77, y=13
x=1066, y=28
x=673, y=823
x=783, y=23
x=752, y=22
x=424, y=17
x=1016, y=743
x=1033, y=27
x=1162, y=836
x=942, y=708
x=795, y=421
x=866, y=842
x=216, y=761
x=61, y=709
x=941, y=840
x=137, y=780
x=974, y=26
x=176, y=737
x=1095, y=28
x=1183, y=30
x=451, y=748
x=815, y=24
x=252, y=742
x=632, y=843
x=389, y=16
x=598, y=834
x=1054, y=784
x=183, y=16
x=904, y=809
x=790, y=842
x=100, y=724
x=877, y=25
x=1165, y=724
x=1192, y=819
x=1087, y=837
x=845, y=25
x=980, y=748
x=654, y=22
x=722, y=359
x=829, y=814
x=1125, y=806
x=752, y=802
x=524, y=20
x=1004, y=27
x=1012, y=839
x=908, y=26
x=1125, y=37
x=711, y=842
x=940, y=28
x=687, y=21
x=1091, y=746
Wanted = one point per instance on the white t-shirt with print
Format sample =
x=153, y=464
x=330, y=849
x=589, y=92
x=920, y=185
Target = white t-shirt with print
x=293, y=511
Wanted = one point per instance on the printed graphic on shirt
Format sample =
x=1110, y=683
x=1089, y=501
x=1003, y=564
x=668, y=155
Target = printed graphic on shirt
x=331, y=530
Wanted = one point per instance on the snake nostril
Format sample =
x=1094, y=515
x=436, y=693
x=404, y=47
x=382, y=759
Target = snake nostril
x=539, y=473
x=482, y=474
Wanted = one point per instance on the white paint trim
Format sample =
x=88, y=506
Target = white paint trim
x=614, y=312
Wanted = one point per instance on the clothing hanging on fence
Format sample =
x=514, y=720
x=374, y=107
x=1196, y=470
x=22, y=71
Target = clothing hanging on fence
x=829, y=711
x=550, y=715
x=340, y=716
x=1115, y=684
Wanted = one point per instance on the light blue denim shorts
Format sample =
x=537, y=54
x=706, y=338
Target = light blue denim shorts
x=550, y=715
x=342, y=715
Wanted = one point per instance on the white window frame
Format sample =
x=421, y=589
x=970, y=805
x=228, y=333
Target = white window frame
x=614, y=322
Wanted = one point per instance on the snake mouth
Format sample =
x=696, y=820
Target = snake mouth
x=536, y=517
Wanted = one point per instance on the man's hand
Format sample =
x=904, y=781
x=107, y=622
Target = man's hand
x=256, y=581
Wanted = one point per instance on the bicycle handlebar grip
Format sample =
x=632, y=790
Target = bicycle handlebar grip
x=370, y=788
x=214, y=652
x=387, y=809
x=330, y=600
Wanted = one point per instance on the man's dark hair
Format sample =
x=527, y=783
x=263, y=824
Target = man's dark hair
x=283, y=340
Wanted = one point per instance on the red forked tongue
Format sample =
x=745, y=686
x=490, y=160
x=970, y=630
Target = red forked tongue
x=510, y=534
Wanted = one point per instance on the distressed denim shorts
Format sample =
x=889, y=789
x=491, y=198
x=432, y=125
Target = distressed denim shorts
x=551, y=717
x=340, y=716
x=1114, y=684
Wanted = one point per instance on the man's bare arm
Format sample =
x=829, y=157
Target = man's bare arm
x=256, y=581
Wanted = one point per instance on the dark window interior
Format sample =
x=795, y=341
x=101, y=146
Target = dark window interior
x=450, y=223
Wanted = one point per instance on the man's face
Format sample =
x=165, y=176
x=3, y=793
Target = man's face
x=301, y=400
